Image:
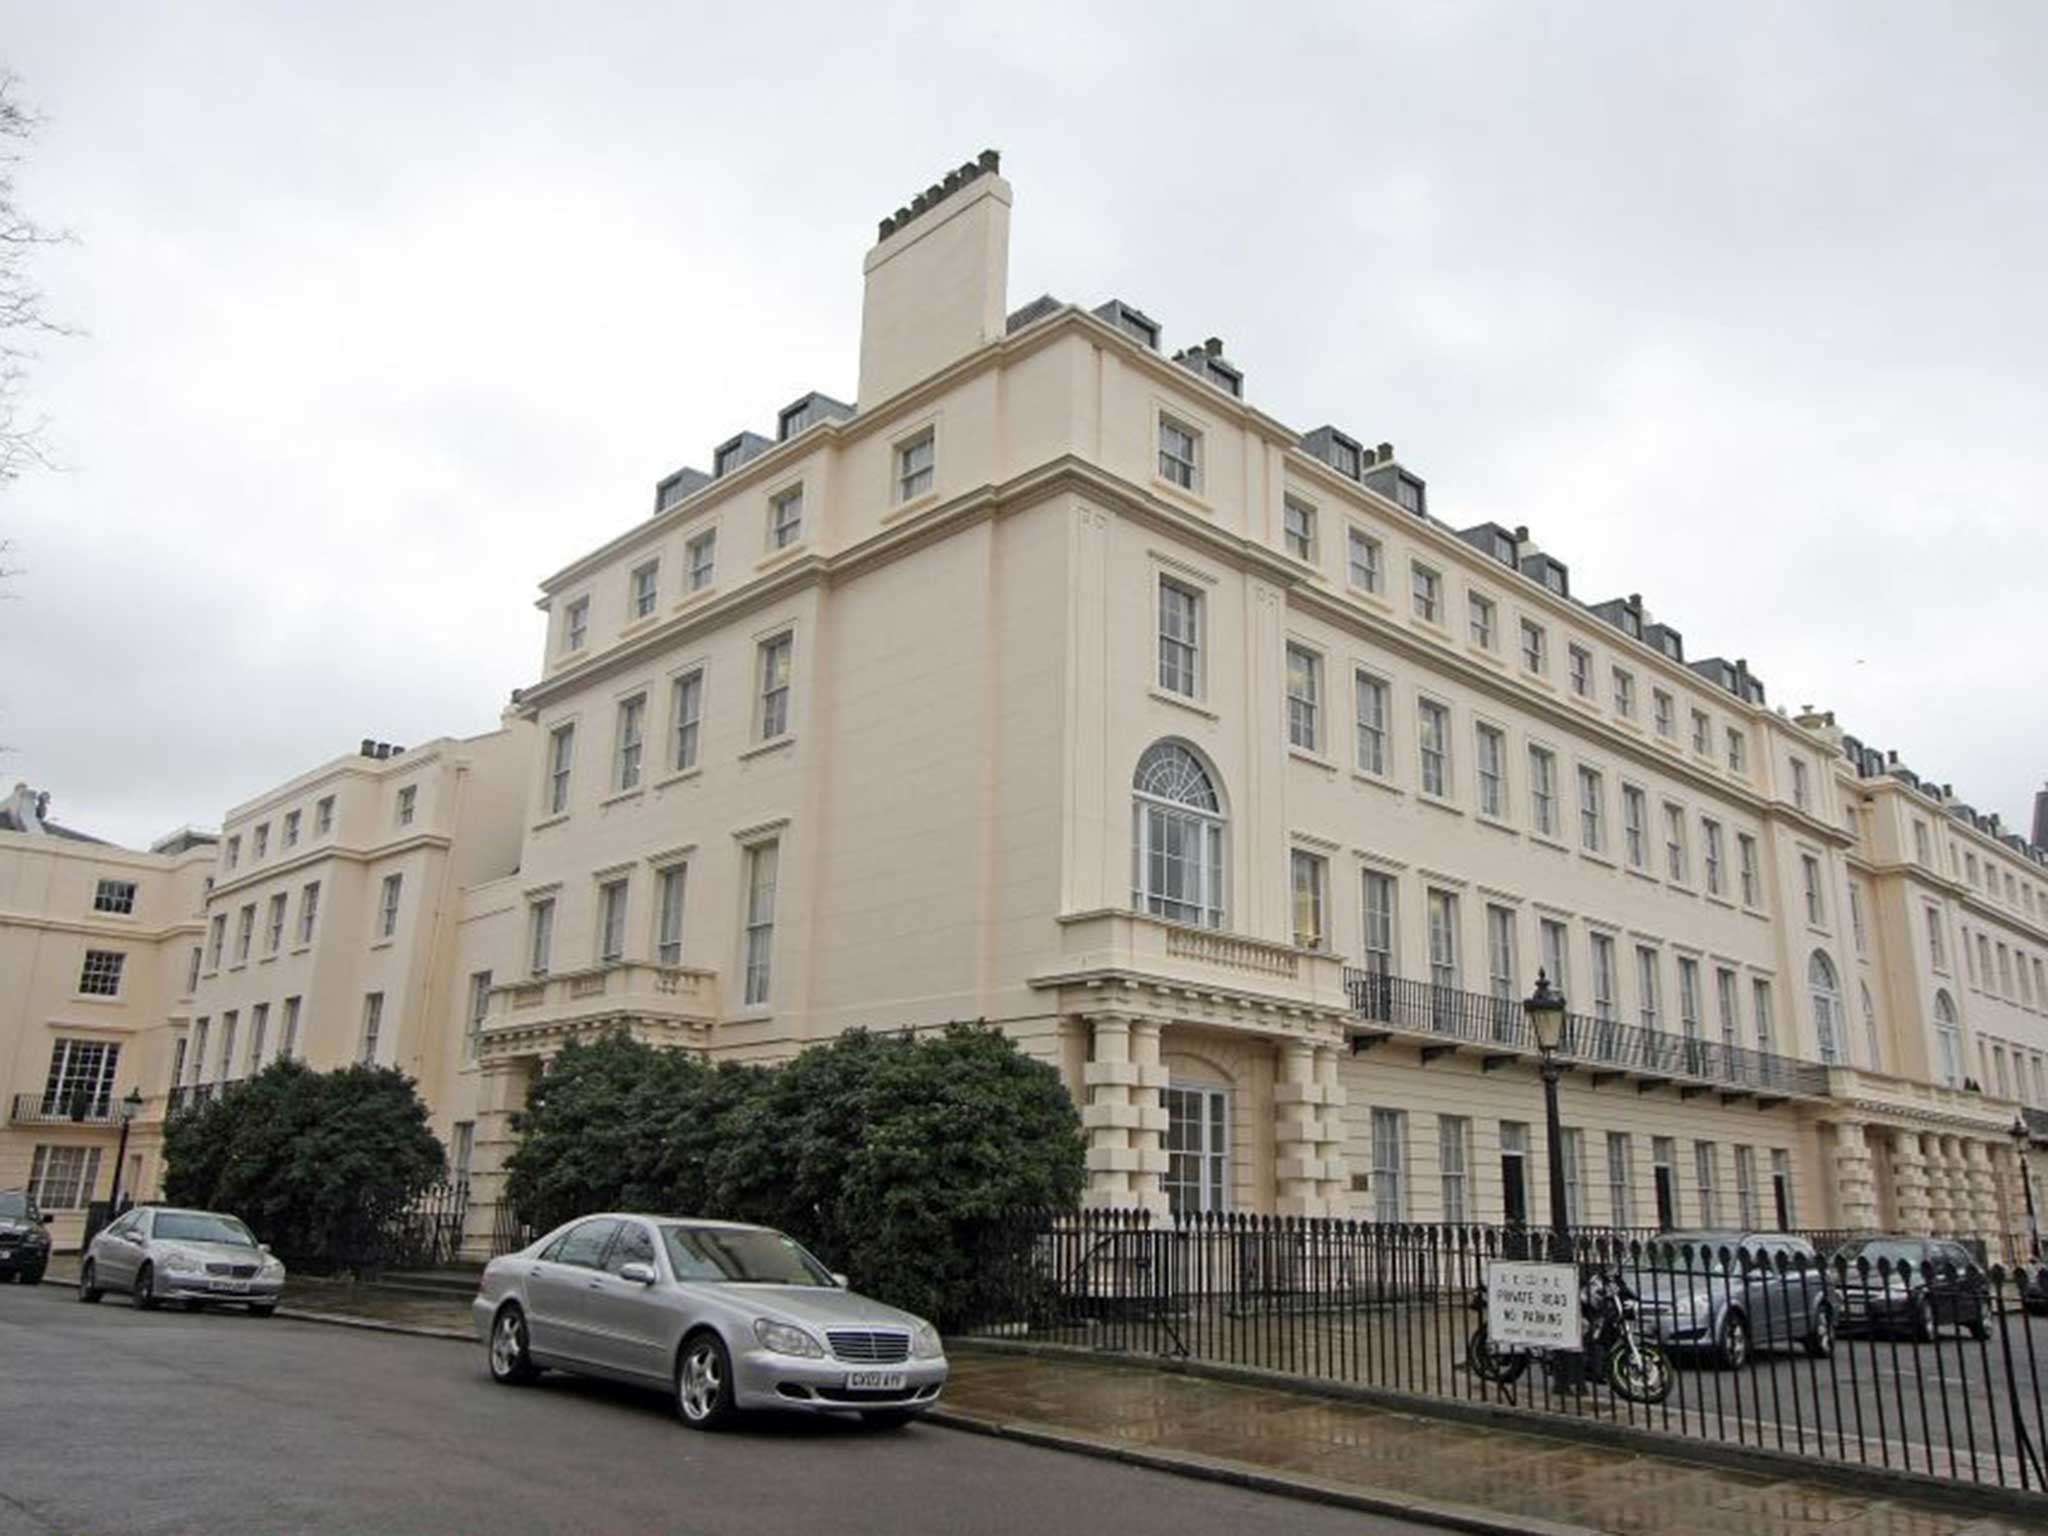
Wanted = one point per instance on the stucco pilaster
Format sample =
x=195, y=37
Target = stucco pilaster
x=1297, y=1131
x=1983, y=1189
x=1125, y=1115
x=502, y=1087
x=1910, y=1188
x=1855, y=1188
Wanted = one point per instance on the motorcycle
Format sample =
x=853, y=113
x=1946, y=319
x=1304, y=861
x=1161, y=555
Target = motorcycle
x=1615, y=1352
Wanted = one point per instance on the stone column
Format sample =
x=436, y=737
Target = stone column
x=1961, y=1221
x=1941, y=1189
x=1909, y=1184
x=502, y=1086
x=1855, y=1192
x=1335, y=1189
x=1984, y=1221
x=1297, y=1131
x=1125, y=1117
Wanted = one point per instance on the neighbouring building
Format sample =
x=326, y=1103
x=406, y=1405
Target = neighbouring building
x=1056, y=684
x=330, y=929
x=96, y=947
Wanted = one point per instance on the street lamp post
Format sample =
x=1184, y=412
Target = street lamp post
x=2020, y=1138
x=130, y=1106
x=1545, y=1010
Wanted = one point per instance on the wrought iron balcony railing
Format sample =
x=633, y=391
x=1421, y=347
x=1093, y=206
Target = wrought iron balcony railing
x=55, y=1109
x=1499, y=1025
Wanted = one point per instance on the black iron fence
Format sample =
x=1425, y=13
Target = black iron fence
x=508, y=1233
x=1479, y=1020
x=1868, y=1353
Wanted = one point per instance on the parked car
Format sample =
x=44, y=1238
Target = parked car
x=24, y=1240
x=158, y=1253
x=724, y=1316
x=2033, y=1284
x=1912, y=1285
x=1721, y=1295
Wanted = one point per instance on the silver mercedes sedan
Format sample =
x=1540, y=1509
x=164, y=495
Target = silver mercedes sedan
x=727, y=1317
x=156, y=1253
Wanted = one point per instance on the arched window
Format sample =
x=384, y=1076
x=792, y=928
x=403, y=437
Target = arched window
x=1870, y=1029
x=1948, y=1041
x=1827, y=1007
x=1177, y=862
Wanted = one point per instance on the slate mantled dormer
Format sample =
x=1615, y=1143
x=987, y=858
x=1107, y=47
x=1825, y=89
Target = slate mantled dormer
x=735, y=451
x=808, y=410
x=684, y=483
x=1208, y=362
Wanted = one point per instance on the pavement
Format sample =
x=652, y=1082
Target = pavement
x=1255, y=1440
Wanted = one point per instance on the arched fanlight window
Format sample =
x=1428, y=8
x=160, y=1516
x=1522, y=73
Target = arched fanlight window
x=1827, y=1007
x=1177, y=862
x=1870, y=1033
x=1948, y=1041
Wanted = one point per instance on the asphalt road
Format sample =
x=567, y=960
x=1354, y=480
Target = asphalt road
x=113, y=1420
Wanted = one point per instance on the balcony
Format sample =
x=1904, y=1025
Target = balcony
x=50, y=1109
x=1444, y=1021
x=189, y=1096
x=1204, y=975
x=661, y=1004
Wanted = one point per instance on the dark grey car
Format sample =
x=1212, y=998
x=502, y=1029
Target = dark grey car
x=1720, y=1295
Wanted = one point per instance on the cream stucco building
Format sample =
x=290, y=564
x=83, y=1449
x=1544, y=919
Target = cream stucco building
x=96, y=950
x=1059, y=685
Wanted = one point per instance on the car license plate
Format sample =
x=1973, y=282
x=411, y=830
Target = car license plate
x=875, y=1381
x=232, y=1287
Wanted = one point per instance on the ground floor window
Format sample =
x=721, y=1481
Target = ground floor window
x=1621, y=1179
x=1781, y=1187
x=1197, y=1149
x=1572, y=1145
x=1664, y=1171
x=1745, y=1188
x=1454, y=1134
x=1706, y=1156
x=1389, y=1165
x=62, y=1178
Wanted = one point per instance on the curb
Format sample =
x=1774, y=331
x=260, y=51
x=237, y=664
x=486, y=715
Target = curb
x=377, y=1325
x=1313, y=1490
x=338, y=1320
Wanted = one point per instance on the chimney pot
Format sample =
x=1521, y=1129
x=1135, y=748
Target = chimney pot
x=1386, y=452
x=1213, y=346
x=368, y=748
x=1522, y=534
x=990, y=160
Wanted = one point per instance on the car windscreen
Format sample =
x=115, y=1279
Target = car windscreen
x=13, y=1205
x=201, y=1227
x=1873, y=1254
x=745, y=1255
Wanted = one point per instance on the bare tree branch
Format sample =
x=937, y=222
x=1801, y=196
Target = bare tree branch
x=22, y=315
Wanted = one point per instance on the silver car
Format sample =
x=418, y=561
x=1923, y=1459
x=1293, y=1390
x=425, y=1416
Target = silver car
x=1722, y=1295
x=158, y=1253
x=725, y=1316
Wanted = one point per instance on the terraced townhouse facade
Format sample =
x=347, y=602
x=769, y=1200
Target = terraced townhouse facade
x=1056, y=684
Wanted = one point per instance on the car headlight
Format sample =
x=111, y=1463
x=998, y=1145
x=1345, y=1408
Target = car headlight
x=924, y=1342
x=179, y=1262
x=272, y=1270
x=786, y=1340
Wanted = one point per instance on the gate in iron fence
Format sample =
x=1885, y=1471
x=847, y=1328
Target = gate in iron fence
x=1901, y=1355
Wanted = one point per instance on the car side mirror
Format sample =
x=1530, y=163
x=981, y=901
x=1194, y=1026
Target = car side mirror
x=639, y=1274
x=839, y=1279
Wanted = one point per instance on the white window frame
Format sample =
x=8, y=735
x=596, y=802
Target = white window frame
x=671, y=887
x=629, y=744
x=1298, y=528
x=700, y=560
x=1198, y=1130
x=763, y=868
x=1304, y=697
x=1180, y=453
x=1309, y=887
x=1371, y=568
x=1433, y=748
x=786, y=518
x=1426, y=592
x=686, y=718
x=644, y=589
x=1180, y=608
x=916, y=465
x=773, y=686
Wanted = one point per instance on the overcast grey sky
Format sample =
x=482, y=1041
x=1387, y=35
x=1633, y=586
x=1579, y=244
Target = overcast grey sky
x=395, y=308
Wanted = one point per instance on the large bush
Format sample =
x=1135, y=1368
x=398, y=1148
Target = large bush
x=883, y=1153
x=319, y=1164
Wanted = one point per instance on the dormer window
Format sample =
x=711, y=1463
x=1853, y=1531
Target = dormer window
x=1553, y=577
x=1408, y=493
x=730, y=457
x=1503, y=548
x=1345, y=457
x=1631, y=623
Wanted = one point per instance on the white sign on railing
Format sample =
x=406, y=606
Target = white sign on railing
x=1532, y=1306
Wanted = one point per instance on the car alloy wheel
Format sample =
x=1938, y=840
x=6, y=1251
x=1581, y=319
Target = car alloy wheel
x=1923, y=1319
x=511, y=1362
x=144, y=1294
x=704, y=1383
x=87, y=1291
x=1821, y=1342
x=1733, y=1347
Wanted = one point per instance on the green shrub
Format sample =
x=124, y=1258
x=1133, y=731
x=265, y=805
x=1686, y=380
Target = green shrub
x=318, y=1164
x=886, y=1154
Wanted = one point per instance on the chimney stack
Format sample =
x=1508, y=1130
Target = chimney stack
x=2040, y=838
x=937, y=280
